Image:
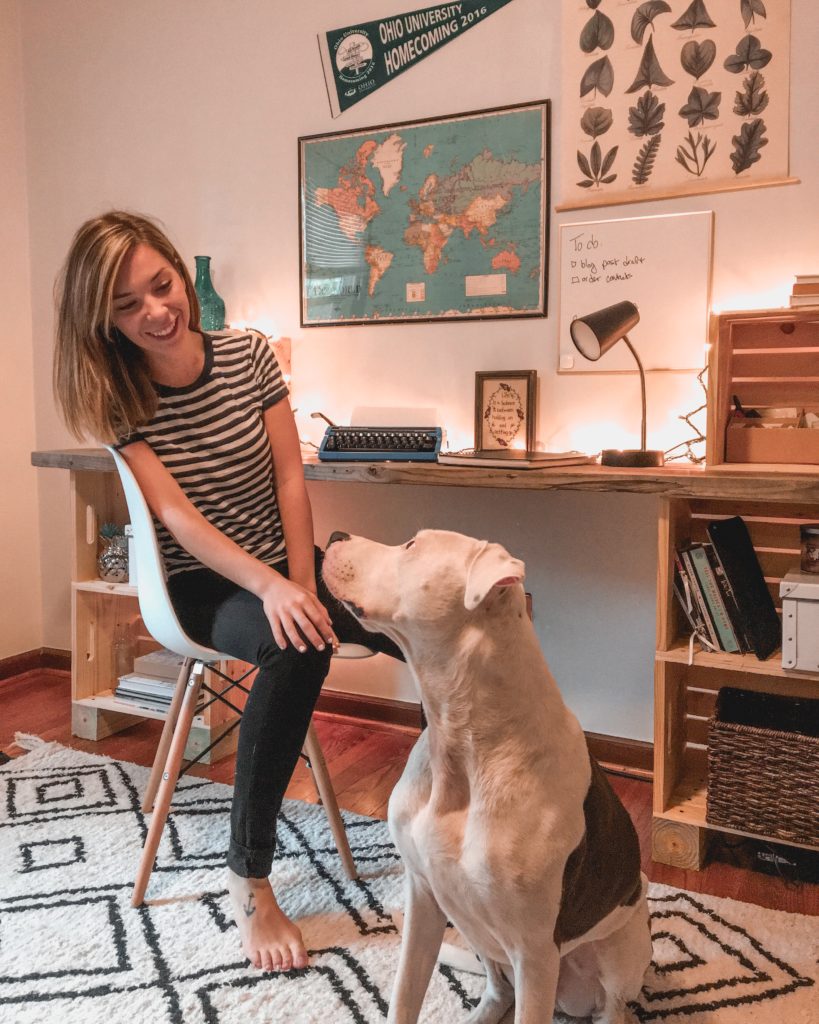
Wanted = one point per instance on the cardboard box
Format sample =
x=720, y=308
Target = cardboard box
x=745, y=442
x=800, y=621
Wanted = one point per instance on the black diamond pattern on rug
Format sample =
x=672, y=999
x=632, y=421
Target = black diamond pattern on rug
x=59, y=792
x=51, y=853
x=734, y=970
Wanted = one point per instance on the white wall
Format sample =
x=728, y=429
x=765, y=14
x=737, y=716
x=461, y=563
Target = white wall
x=190, y=110
x=21, y=619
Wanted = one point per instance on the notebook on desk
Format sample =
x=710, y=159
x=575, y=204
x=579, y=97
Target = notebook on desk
x=512, y=458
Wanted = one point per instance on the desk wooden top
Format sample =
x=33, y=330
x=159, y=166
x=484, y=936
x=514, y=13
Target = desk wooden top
x=791, y=484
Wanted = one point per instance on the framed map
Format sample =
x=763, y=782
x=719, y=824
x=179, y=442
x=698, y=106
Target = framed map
x=437, y=219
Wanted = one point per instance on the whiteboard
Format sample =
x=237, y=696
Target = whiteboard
x=661, y=264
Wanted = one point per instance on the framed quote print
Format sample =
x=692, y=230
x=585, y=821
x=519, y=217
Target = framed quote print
x=505, y=409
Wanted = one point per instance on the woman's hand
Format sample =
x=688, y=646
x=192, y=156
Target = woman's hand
x=296, y=615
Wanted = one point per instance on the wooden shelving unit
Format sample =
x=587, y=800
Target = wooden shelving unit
x=767, y=359
x=97, y=610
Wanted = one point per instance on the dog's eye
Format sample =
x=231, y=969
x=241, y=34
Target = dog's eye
x=408, y=545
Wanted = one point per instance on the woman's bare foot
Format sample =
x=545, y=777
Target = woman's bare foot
x=269, y=939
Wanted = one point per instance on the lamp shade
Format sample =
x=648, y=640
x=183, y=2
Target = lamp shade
x=594, y=334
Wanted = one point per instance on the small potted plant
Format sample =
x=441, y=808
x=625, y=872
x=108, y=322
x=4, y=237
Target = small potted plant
x=112, y=563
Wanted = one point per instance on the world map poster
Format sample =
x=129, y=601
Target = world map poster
x=445, y=218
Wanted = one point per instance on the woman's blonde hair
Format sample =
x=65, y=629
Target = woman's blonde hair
x=101, y=380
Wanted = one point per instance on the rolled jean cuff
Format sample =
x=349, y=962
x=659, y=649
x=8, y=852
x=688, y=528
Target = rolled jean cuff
x=249, y=863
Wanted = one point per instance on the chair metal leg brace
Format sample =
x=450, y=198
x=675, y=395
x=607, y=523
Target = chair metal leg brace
x=209, y=747
x=167, y=784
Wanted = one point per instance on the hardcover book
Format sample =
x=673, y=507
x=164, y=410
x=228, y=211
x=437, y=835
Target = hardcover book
x=735, y=551
x=729, y=600
x=512, y=458
x=713, y=597
x=689, y=602
x=699, y=598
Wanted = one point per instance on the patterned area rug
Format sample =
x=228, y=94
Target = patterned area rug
x=73, y=950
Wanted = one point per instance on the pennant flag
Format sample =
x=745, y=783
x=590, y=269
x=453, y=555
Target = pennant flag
x=359, y=59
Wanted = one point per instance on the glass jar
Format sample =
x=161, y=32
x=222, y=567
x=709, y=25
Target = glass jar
x=810, y=548
x=112, y=564
x=122, y=650
x=211, y=304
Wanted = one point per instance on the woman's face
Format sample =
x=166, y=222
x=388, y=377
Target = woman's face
x=150, y=305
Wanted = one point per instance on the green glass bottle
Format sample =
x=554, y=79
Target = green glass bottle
x=211, y=304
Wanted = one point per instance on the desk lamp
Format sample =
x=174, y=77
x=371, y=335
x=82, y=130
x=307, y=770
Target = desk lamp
x=593, y=335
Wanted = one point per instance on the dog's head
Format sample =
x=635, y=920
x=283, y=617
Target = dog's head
x=433, y=582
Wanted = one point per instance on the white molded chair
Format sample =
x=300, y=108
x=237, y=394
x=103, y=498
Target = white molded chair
x=161, y=622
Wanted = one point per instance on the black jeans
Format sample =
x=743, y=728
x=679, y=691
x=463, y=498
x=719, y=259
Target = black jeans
x=220, y=614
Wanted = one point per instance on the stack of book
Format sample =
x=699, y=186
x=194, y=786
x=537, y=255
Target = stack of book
x=722, y=590
x=152, y=682
x=805, y=290
x=513, y=458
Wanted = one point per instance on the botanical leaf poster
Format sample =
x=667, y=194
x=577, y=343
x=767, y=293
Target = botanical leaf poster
x=672, y=97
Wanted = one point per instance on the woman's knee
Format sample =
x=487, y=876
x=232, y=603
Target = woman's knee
x=309, y=665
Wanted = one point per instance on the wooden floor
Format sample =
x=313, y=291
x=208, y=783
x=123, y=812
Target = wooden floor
x=365, y=759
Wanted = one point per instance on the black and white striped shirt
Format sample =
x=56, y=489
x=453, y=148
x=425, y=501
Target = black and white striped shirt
x=211, y=437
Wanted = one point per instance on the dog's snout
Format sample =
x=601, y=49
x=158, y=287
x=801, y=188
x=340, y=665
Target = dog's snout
x=337, y=535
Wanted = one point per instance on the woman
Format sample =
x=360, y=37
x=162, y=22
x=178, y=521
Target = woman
x=205, y=425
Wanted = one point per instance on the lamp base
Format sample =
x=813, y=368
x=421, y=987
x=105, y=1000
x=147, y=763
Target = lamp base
x=634, y=458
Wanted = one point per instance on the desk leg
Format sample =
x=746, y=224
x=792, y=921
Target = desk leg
x=95, y=724
x=679, y=844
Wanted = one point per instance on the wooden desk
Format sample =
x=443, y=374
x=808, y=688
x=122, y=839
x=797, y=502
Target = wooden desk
x=773, y=500
x=725, y=483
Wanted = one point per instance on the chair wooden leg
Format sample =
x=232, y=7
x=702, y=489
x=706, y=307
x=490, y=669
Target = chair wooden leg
x=167, y=734
x=321, y=777
x=168, y=781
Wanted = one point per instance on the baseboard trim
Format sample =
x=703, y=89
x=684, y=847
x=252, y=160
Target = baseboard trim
x=370, y=708
x=629, y=757
x=616, y=753
x=29, y=661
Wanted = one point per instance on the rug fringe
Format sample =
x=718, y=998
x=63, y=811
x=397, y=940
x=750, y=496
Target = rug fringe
x=28, y=741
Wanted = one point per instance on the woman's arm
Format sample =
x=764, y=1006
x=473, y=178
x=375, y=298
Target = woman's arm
x=291, y=608
x=291, y=494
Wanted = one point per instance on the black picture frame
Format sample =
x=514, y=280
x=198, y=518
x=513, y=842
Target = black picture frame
x=394, y=231
x=505, y=409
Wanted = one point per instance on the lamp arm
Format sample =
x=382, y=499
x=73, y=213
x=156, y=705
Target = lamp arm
x=642, y=392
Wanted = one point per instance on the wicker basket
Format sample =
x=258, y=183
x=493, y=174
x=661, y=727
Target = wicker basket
x=763, y=765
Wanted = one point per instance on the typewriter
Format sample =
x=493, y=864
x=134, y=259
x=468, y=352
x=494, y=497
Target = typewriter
x=379, y=444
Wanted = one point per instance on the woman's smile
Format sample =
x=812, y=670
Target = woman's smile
x=151, y=308
x=165, y=332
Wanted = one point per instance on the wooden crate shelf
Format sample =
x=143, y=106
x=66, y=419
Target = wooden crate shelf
x=768, y=359
x=98, y=608
x=98, y=586
x=746, y=664
x=685, y=694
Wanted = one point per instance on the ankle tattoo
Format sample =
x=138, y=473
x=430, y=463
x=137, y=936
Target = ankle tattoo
x=249, y=907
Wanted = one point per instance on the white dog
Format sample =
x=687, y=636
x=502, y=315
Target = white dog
x=506, y=825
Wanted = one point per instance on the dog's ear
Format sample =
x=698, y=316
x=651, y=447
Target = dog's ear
x=492, y=566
